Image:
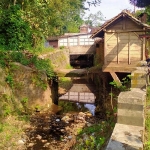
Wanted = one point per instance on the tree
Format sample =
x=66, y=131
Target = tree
x=93, y=2
x=15, y=33
x=47, y=17
x=147, y=10
x=94, y=19
x=140, y=3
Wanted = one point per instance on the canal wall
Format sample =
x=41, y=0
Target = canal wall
x=59, y=58
x=129, y=129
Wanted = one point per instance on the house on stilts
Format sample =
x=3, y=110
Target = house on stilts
x=121, y=43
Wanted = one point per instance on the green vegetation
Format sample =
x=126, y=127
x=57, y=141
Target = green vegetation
x=140, y=3
x=147, y=121
x=65, y=83
x=11, y=131
x=6, y=59
x=94, y=136
x=22, y=28
x=124, y=85
x=15, y=33
x=69, y=66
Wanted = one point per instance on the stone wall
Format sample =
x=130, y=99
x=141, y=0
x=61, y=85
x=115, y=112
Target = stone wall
x=23, y=86
x=59, y=58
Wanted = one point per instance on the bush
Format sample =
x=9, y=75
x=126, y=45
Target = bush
x=15, y=33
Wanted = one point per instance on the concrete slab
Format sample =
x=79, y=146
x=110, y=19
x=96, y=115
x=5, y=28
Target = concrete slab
x=88, y=88
x=130, y=117
x=132, y=97
x=126, y=137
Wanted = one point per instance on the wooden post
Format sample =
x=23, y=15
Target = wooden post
x=78, y=40
x=129, y=48
x=105, y=49
x=143, y=54
x=69, y=96
x=68, y=44
x=117, y=49
x=115, y=77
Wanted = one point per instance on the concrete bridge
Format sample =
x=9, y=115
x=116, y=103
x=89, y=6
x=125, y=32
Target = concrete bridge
x=81, y=48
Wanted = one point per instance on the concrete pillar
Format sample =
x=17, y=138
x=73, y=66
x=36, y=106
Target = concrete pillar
x=131, y=107
x=138, y=78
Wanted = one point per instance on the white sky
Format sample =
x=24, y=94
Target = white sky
x=111, y=8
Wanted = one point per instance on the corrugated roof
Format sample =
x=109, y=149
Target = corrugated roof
x=123, y=13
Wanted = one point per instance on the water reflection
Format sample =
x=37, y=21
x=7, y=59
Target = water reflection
x=90, y=107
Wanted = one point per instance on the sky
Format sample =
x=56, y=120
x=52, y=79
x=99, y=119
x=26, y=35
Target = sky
x=111, y=8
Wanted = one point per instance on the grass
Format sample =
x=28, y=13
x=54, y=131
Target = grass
x=93, y=137
x=68, y=66
x=147, y=121
x=65, y=82
x=11, y=131
x=42, y=50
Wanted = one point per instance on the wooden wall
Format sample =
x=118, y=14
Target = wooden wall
x=100, y=52
x=122, y=43
x=125, y=47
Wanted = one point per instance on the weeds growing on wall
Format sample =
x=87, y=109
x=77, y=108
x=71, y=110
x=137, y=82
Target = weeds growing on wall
x=6, y=59
x=147, y=121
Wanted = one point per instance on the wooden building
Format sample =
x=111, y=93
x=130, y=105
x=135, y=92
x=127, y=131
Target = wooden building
x=119, y=44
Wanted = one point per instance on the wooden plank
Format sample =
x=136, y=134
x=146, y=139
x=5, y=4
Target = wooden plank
x=115, y=77
x=117, y=68
x=105, y=49
x=109, y=37
x=129, y=48
x=132, y=25
x=117, y=48
x=111, y=58
x=143, y=49
x=124, y=24
x=127, y=30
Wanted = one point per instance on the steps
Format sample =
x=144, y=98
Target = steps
x=131, y=107
x=126, y=137
x=129, y=129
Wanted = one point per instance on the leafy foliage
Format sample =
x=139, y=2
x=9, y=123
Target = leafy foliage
x=33, y=61
x=123, y=86
x=93, y=137
x=44, y=18
x=15, y=33
x=140, y=3
x=147, y=10
x=94, y=19
x=9, y=80
x=147, y=122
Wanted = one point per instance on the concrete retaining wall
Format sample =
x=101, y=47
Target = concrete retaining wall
x=128, y=133
x=59, y=58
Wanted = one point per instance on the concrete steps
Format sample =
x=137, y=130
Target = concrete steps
x=126, y=137
x=129, y=129
x=131, y=107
